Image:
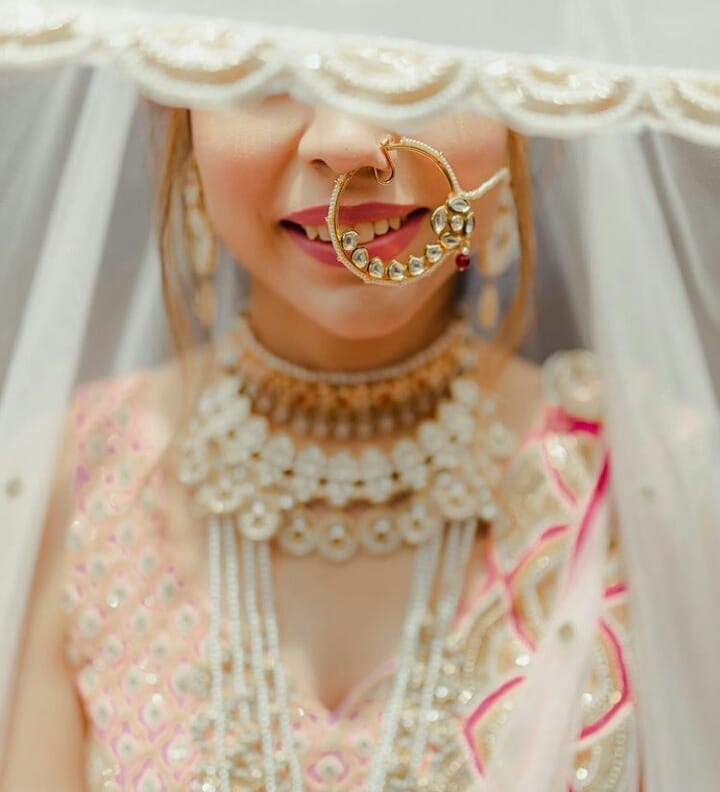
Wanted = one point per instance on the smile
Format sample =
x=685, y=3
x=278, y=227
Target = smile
x=384, y=229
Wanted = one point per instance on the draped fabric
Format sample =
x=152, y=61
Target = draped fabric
x=622, y=105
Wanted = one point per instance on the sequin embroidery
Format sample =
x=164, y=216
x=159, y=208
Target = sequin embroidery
x=137, y=638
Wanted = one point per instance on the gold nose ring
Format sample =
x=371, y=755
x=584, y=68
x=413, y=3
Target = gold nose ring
x=387, y=140
x=452, y=223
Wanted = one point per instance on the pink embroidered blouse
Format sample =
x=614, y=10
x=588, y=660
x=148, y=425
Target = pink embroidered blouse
x=137, y=637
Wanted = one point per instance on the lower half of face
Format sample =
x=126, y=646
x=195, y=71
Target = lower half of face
x=268, y=171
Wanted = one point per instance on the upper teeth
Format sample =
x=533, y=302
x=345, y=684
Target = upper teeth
x=366, y=231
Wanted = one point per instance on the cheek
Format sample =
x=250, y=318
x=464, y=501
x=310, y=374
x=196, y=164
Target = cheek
x=481, y=153
x=476, y=148
x=482, y=145
x=371, y=312
x=237, y=159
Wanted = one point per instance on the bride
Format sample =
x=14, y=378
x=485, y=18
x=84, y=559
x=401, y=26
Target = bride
x=323, y=549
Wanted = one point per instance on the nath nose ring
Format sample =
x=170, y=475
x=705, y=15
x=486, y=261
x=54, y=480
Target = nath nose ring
x=452, y=222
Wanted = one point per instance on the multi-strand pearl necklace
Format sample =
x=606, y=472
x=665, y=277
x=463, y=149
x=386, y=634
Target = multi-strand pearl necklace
x=396, y=490
x=249, y=478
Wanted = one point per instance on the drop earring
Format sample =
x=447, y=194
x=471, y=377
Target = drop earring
x=201, y=244
x=496, y=256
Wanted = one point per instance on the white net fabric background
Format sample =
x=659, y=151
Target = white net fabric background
x=628, y=264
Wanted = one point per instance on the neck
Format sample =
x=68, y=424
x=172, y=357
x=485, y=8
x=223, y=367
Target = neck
x=296, y=338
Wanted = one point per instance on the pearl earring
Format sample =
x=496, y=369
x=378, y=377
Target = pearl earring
x=496, y=256
x=201, y=243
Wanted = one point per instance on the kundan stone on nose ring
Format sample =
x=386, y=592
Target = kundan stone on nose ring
x=452, y=223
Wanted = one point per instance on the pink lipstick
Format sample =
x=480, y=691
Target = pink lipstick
x=386, y=246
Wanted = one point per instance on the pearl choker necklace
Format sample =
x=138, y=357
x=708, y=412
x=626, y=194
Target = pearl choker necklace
x=395, y=492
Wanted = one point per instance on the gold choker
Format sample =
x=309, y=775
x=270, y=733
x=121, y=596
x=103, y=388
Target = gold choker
x=346, y=405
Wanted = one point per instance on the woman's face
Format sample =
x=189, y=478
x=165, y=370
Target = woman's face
x=268, y=169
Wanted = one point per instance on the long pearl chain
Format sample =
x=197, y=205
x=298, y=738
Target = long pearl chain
x=278, y=671
x=424, y=573
x=258, y=665
x=455, y=561
x=233, y=605
x=215, y=652
x=263, y=634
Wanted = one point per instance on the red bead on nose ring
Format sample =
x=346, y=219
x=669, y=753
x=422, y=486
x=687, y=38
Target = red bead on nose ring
x=452, y=223
x=462, y=261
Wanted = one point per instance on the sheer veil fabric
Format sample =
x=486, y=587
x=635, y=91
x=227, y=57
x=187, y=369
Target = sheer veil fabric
x=622, y=105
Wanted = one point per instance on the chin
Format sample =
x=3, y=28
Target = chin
x=364, y=311
x=360, y=325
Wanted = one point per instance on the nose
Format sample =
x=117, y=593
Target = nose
x=340, y=142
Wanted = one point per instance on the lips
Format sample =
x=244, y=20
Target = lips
x=360, y=213
x=386, y=246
